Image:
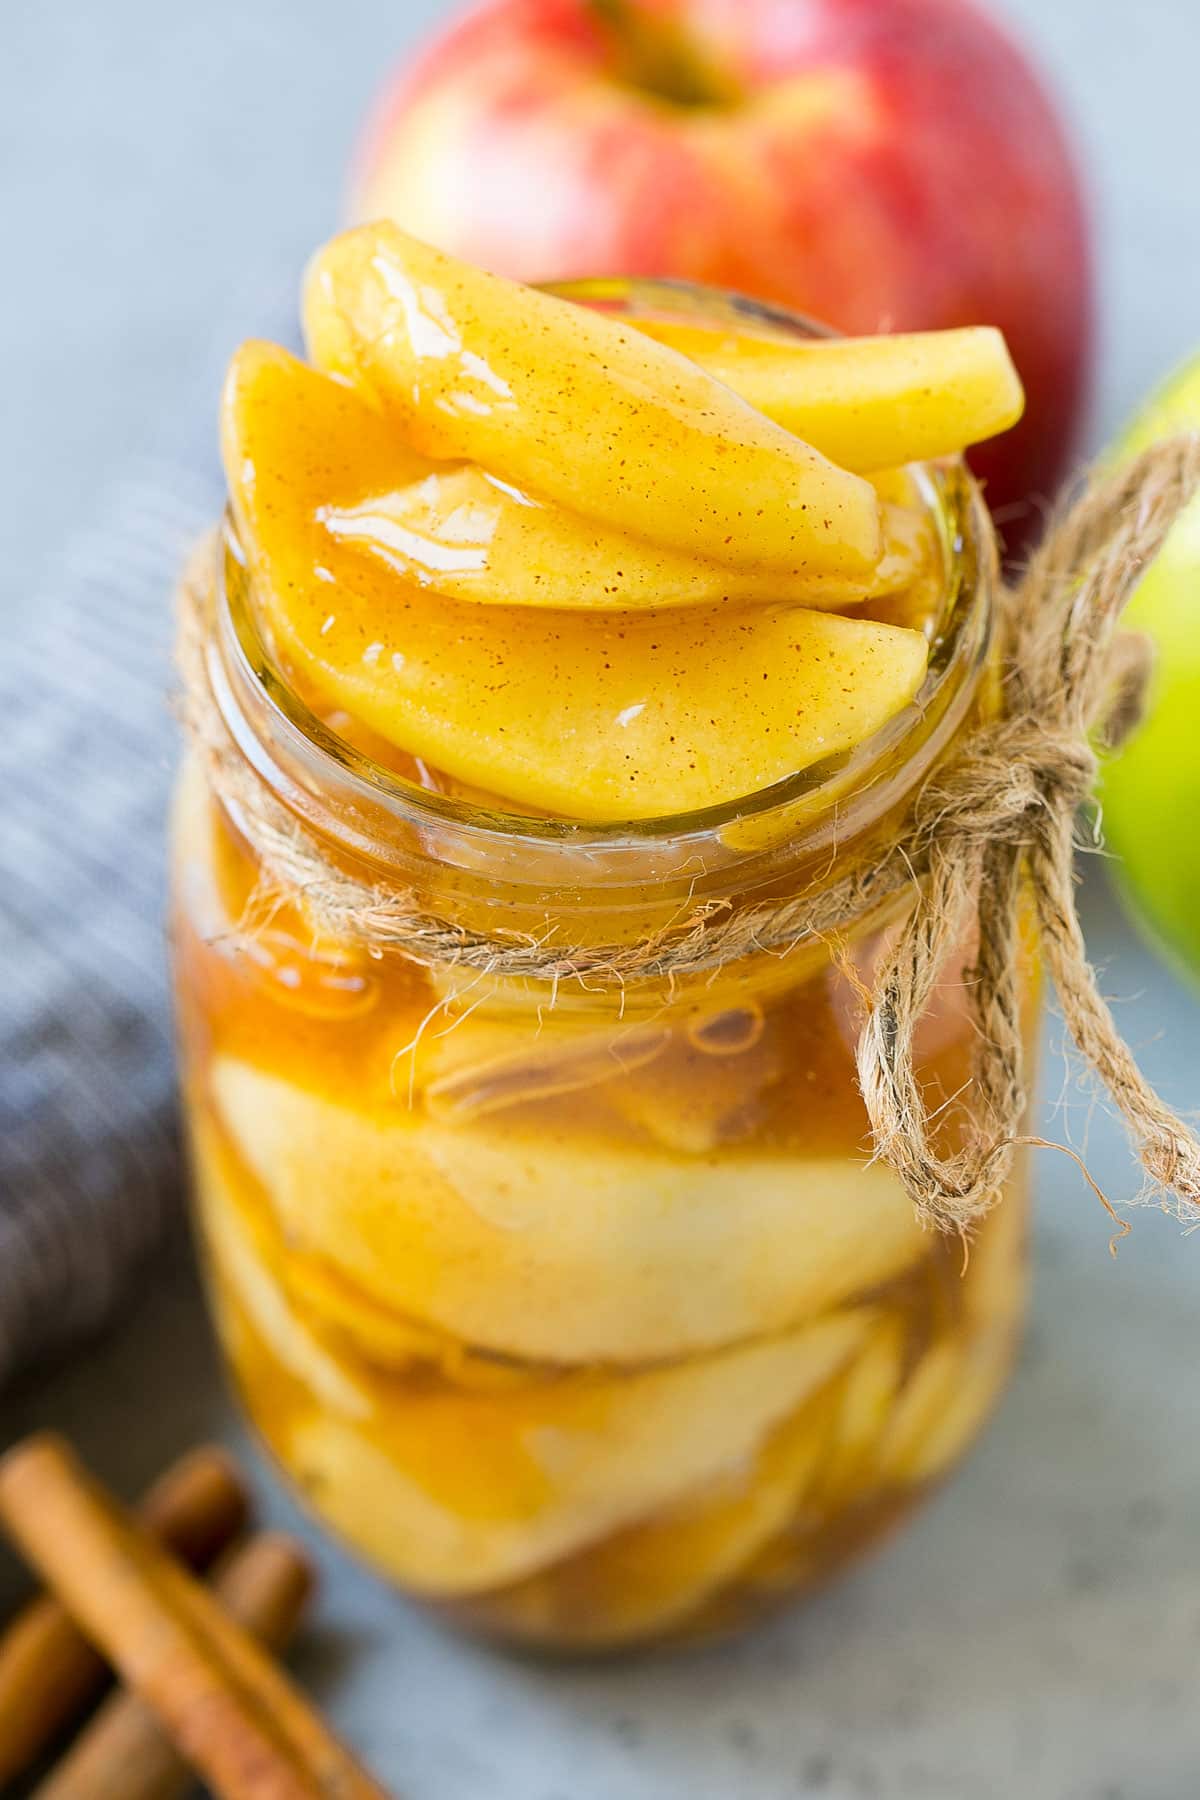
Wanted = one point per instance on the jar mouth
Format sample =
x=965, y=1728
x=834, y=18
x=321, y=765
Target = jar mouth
x=247, y=665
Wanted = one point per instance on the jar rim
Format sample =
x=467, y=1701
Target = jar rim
x=319, y=759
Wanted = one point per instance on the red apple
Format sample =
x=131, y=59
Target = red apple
x=878, y=164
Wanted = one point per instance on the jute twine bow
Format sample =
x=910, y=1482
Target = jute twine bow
x=999, y=813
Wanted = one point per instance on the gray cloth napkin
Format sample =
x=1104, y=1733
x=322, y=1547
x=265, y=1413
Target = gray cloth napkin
x=89, y=1161
x=90, y=1170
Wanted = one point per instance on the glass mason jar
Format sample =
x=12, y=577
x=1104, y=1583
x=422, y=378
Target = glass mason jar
x=581, y=1311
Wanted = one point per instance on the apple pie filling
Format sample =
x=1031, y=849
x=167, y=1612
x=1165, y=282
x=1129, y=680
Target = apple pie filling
x=583, y=1311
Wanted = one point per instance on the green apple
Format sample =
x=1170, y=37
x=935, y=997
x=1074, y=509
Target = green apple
x=1150, y=791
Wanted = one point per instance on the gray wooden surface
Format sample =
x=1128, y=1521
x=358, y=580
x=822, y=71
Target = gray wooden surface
x=1037, y=1632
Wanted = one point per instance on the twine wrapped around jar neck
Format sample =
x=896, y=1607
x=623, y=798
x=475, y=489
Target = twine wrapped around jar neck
x=998, y=814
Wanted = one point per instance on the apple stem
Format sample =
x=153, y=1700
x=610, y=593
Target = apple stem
x=658, y=57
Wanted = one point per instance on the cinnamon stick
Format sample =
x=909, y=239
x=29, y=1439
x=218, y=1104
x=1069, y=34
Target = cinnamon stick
x=48, y=1670
x=230, y=1711
x=124, y=1753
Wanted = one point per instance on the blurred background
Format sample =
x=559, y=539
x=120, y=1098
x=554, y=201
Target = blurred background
x=165, y=173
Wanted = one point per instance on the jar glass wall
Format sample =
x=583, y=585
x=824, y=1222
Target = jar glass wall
x=580, y=1310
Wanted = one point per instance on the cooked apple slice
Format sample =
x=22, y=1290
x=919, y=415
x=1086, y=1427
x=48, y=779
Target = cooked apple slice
x=466, y=536
x=865, y=1400
x=604, y=716
x=307, y=1313
x=468, y=1073
x=656, y=1575
x=867, y=403
x=559, y=1245
x=943, y=1405
x=696, y=1102
x=578, y=408
x=242, y=1264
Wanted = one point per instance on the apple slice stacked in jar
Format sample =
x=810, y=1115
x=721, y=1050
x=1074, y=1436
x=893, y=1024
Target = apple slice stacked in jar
x=563, y=562
x=564, y=1322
